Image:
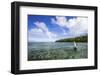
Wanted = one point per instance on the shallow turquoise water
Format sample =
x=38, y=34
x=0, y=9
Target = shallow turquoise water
x=56, y=50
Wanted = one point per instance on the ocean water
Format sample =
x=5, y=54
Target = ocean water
x=56, y=50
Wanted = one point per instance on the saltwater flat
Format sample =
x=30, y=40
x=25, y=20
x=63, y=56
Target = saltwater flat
x=56, y=50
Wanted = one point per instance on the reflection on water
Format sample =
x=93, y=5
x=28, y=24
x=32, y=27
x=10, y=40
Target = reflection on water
x=56, y=50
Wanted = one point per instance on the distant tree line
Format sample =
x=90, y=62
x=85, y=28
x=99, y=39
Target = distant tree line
x=76, y=39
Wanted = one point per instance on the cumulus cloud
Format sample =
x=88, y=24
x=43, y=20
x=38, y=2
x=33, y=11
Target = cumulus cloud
x=72, y=27
x=77, y=26
x=43, y=27
x=41, y=32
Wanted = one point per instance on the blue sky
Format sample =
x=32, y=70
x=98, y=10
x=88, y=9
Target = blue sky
x=43, y=28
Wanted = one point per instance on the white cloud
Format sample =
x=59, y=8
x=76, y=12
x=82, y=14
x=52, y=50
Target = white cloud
x=77, y=26
x=35, y=30
x=44, y=28
x=61, y=21
x=41, y=33
x=70, y=28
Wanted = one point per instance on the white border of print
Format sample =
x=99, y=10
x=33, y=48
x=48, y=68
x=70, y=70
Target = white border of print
x=25, y=64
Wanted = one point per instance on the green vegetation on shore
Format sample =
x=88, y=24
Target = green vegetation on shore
x=76, y=39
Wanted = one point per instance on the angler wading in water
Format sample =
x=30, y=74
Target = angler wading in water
x=75, y=47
